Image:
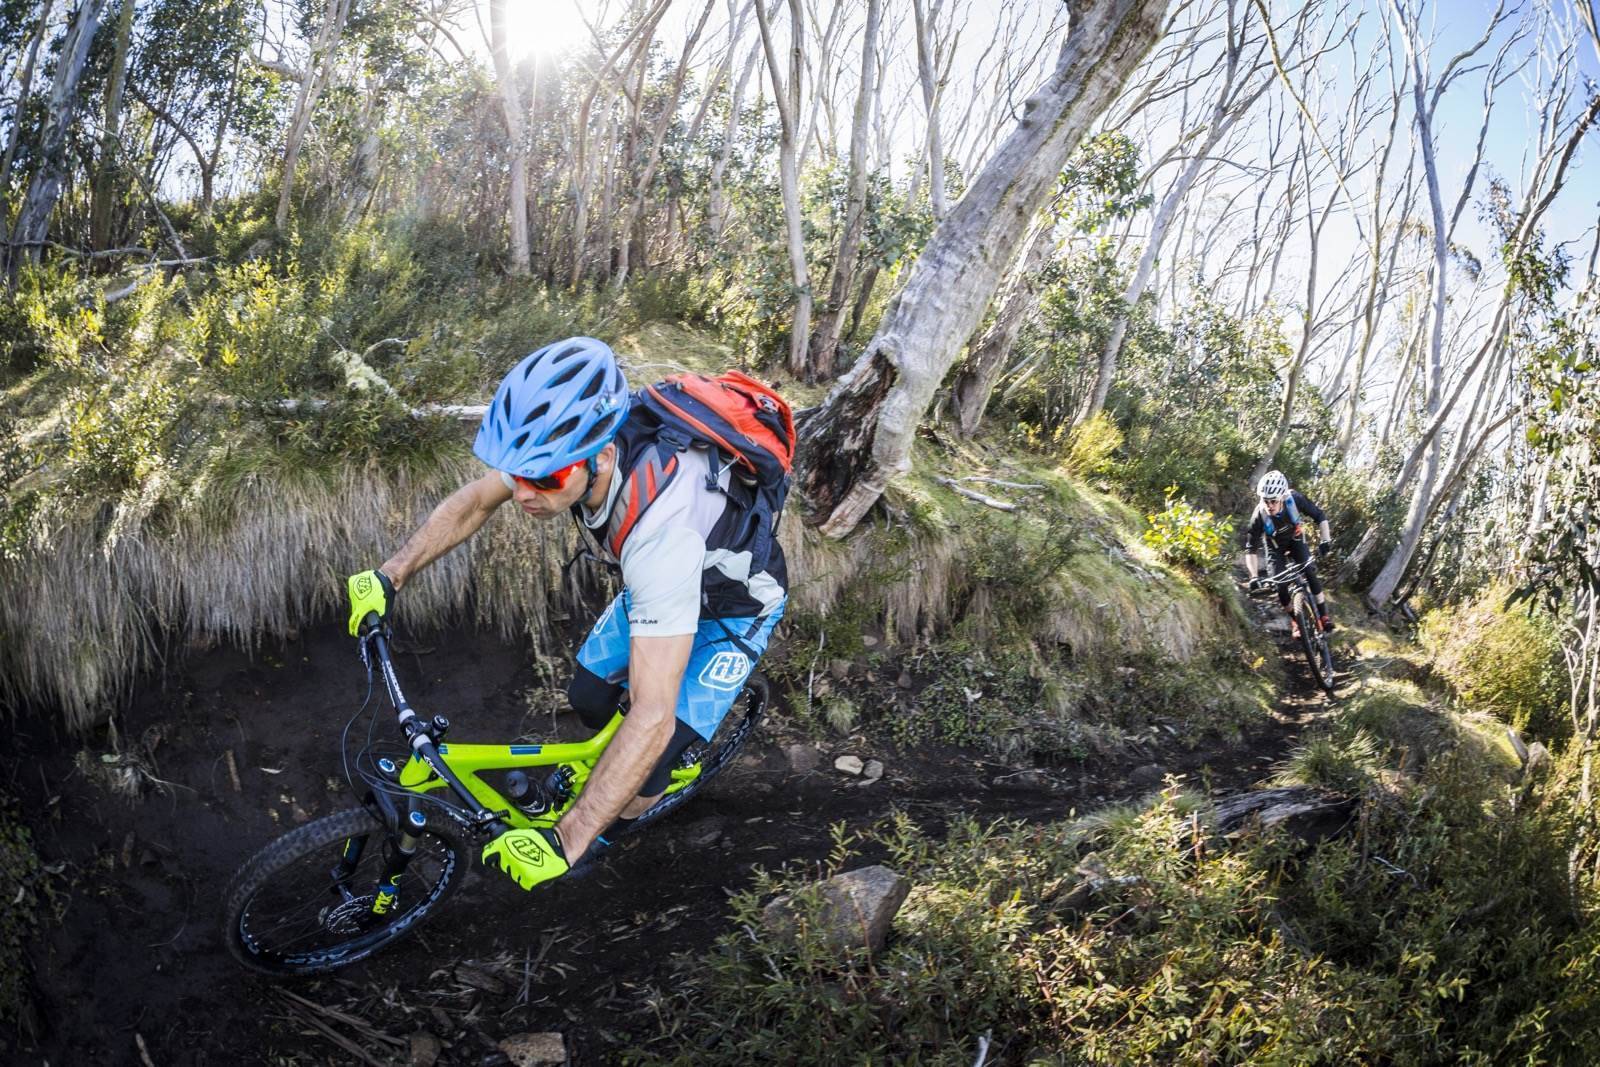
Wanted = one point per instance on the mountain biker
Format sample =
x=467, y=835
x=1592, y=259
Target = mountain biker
x=1279, y=520
x=692, y=619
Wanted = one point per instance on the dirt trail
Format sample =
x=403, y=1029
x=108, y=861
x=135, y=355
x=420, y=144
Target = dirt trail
x=136, y=963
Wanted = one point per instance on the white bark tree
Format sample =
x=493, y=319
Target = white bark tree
x=861, y=435
x=825, y=341
x=789, y=91
x=1246, y=75
x=44, y=187
x=511, y=107
x=314, y=80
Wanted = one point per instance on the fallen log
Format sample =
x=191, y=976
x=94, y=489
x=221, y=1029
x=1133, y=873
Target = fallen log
x=1306, y=811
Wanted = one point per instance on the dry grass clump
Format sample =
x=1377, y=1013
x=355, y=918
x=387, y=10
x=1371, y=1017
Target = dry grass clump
x=97, y=596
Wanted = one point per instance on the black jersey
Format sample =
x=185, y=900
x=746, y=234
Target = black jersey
x=1287, y=527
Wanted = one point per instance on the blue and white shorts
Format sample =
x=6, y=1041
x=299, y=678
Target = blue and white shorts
x=719, y=663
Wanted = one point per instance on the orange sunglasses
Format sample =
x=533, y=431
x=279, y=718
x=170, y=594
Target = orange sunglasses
x=549, y=483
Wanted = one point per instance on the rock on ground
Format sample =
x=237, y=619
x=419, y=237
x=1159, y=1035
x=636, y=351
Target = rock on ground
x=803, y=759
x=848, y=764
x=529, y=1050
x=425, y=1049
x=854, y=910
x=1149, y=775
x=872, y=770
x=705, y=833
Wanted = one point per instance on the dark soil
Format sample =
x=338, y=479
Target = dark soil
x=135, y=972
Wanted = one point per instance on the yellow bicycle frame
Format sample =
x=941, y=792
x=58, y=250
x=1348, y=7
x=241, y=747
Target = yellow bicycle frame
x=468, y=762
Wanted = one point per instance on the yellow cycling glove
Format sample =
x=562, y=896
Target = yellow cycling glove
x=369, y=591
x=528, y=857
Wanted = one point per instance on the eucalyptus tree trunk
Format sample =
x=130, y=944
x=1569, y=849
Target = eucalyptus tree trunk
x=582, y=186
x=1309, y=330
x=825, y=342
x=716, y=197
x=658, y=135
x=208, y=163
x=24, y=88
x=1235, y=97
x=505, y=76
x=44, y=189
x=1553, y=155
x=788, y=98
x=989, y=353
x=928, y=78
x=366, y=167
x=318, y=73
x=860, y=437
x=105, y=178
x=1378, y=276
x=1388, y=579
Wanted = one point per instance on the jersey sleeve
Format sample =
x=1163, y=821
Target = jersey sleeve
x=662, y=573
x=1307, y=508
x=1256, y=534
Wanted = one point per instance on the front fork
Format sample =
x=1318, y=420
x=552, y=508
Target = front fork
x=398, y=851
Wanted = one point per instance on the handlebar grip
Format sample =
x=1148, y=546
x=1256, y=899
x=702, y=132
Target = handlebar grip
x=371, y=621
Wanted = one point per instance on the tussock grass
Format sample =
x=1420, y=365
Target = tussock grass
x=1408, y=728
x=241, y=553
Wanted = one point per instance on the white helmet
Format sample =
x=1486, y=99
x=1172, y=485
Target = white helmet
x=1273, y=486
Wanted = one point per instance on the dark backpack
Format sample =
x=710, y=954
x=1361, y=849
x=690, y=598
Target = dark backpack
x=750, y=429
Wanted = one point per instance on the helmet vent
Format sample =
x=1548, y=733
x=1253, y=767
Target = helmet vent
x=520, y=440
x=539, y=412
x=566, y=374
x=567, y=427
x=567, y=353
x=595, y=382
x=600, y=431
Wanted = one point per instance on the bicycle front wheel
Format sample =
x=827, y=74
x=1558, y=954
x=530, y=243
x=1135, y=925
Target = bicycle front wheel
x=1308, y=634
x=1323, y=663
x=294, y=909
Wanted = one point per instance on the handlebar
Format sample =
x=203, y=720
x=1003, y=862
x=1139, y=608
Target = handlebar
x=1288, y=575
x=376, y=635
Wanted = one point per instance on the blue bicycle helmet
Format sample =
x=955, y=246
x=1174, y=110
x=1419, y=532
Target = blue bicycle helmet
x=558, y=406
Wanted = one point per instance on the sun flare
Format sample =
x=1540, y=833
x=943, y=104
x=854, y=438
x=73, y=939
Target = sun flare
x=545, y=27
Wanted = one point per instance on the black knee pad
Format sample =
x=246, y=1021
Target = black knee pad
x=593, y=698
x=683, y=736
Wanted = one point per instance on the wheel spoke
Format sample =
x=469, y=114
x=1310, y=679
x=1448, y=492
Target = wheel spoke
x=301, y=916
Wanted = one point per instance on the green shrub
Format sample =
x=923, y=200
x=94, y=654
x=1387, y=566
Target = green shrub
x=1437, y=929
x=1502, y=659
x=1092, y=447
x=1187, y=536
x=1358, y=503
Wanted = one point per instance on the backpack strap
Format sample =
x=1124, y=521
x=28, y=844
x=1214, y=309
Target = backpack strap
x=645, y=481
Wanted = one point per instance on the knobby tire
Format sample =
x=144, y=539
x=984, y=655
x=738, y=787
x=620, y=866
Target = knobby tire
x=323, y=839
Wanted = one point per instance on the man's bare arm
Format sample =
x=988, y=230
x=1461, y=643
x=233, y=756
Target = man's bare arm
x=655, y=673
x=457, y=518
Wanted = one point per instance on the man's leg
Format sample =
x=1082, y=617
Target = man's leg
x=725, y=652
